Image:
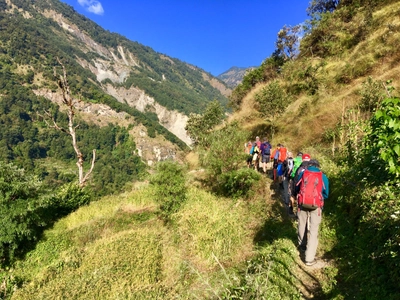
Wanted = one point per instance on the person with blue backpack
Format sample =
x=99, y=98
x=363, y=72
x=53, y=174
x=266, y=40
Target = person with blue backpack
x=312, y=188
x=265, y=152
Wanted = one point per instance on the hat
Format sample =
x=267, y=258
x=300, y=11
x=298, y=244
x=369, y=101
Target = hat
x=306, y=156
x=300, y=154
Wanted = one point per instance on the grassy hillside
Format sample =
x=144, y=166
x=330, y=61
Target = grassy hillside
x=322, y=88
x=119, y=248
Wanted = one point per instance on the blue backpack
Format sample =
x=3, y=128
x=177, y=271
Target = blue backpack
x=266, y=148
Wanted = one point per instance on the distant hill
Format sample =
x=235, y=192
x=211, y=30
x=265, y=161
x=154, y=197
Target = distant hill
x=234, y=76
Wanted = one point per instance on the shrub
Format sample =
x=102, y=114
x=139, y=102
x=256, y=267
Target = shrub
x=368, y=209
x=67, y=199
x=238, y=183
x=372, y=94
x=170, y=187
x=19, y=201
x=25, y=211
x=224, y=159
x=272, y=100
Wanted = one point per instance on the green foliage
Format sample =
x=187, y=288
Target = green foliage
x=368, y=210
x=272, y=100
x=268, y=70
x=372, y=94
x=26, y=208
x=67, y=199
x=199, y=126
x=19, y=202
x=385, y=135
x=170, y=186
x=269, y=275
x=238, y=183
x=223, y=160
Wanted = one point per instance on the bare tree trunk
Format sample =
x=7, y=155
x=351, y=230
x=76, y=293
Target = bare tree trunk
x=70, y=103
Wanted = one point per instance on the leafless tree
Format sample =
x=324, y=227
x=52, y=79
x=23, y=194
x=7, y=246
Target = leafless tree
x=70, y=103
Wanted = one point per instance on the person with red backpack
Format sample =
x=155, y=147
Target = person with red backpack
x=312, y=189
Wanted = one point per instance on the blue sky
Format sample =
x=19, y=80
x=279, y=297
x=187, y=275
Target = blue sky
x=214, y=35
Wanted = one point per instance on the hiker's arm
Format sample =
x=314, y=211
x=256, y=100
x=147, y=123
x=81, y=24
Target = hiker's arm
x=297, y=187
x=325, y=191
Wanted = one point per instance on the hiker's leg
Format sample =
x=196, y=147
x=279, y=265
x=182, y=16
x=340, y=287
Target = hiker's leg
x=264, y=163
x=286, y=191
x=302, y=227
x=315, y=220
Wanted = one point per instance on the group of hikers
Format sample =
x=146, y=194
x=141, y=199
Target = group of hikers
x=304, y=186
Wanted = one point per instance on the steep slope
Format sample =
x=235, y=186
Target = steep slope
x=322, y=90
x=100, y=63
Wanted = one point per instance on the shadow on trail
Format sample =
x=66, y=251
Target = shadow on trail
x=279, y=225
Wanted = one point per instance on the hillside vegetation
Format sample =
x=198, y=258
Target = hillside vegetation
x=215, y=229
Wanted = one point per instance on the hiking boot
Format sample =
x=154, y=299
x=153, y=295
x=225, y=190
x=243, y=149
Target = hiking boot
x=310, y=263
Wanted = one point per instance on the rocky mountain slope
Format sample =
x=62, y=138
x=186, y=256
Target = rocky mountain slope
x=104, y=68
x=234, y=76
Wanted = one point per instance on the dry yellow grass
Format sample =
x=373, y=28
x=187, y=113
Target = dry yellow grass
x=307, y=118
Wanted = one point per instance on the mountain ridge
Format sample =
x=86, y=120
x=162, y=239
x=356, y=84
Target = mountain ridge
x=234, y=75
x=121, y=63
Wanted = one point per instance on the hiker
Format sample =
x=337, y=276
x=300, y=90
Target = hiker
x=266, y=152
x=304, y=164
x=286, y=178
x=312, y=188
x=258, y=142
x=297, y=161
x=275, y=157
x=247, y=149
x=256, y=155
x=282, y=164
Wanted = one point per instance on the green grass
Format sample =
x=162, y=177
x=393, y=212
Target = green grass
x=119, y=248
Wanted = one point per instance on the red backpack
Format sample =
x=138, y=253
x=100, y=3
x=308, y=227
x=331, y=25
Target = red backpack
x=311, y=185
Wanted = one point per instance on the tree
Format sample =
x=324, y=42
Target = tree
x=198, y=126
x=288, y=41
x=318, y=7
x=70, y=103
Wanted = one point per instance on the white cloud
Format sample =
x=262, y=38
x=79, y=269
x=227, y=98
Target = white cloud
x=93, y=6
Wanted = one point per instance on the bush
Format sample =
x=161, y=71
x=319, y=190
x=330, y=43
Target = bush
x=25, y=211
x=367, y=215
x=238, y=183
x=67, y=199
x=272, y=100
x=372, y=94
x=170, y=186
x=224, y=160
x=19, y=202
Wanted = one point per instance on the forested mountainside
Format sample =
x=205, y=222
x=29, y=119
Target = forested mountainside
x=123, y=88
x=103, y=67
